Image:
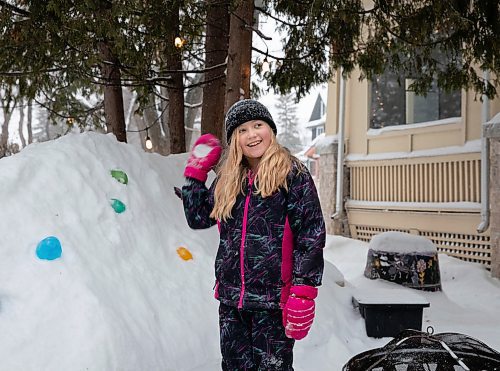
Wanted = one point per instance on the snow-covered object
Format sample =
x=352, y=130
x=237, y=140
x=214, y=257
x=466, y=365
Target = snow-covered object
x=400, y=242
x=120, y=298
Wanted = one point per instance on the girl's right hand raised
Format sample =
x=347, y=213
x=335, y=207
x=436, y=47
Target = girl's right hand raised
x=203, y=157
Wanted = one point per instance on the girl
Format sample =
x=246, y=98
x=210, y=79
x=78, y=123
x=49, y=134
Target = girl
x=272, y=233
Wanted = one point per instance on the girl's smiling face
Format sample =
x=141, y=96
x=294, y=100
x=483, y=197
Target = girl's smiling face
x=254, y=138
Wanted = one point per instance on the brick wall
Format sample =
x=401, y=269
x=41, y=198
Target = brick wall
x=328, y=190
x=492, y=132
x=495, y=205
x=328, y=179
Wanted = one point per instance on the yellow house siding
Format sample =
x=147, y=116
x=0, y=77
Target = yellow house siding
x=332, y=117
x=357, y=114
x=416, y=137
x=419, y=178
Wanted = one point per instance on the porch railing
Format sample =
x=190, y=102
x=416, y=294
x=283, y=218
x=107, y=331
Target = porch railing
x=418, y=190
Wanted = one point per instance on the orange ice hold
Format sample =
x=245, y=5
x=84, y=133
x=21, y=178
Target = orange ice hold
x=184, y=253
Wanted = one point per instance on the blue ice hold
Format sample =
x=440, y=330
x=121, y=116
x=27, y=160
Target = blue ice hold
x=117, y=205
x=49, y=248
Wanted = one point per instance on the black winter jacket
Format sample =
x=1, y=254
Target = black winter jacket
x=268, y=245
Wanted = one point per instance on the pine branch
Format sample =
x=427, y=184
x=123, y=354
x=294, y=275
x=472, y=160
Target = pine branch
x=28, y=73
x=272, y=16
x=15, y=9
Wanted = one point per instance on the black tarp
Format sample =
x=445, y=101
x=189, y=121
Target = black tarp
x=413, y=350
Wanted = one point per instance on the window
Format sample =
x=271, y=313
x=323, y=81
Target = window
x=322, y=109
x=393, y=102
x=317, y=131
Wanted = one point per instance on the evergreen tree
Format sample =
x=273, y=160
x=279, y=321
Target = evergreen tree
x=402, y=36
x=50, y=50
x=58, y=52
x=288, y=133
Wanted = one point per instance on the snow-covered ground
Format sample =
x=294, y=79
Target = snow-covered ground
x=121, y=298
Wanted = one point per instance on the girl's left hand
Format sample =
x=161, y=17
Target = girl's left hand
x=299, y=310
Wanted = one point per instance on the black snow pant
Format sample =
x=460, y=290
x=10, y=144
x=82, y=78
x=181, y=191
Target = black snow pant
x=254, y=340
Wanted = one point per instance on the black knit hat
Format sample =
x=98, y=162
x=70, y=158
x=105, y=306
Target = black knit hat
x=246, y=110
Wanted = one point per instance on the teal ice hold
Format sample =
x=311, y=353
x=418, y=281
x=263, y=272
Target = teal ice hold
x=49, y=248
x=120, y=176
x=117, y=205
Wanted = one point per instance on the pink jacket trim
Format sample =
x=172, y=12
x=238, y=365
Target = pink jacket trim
x=216, y=291
x=243, y=237
x=286, y=262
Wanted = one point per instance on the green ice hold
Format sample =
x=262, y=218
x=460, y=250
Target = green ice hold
x=117, y=205
x=120, y=175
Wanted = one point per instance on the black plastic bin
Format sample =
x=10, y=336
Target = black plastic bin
x=388, y=315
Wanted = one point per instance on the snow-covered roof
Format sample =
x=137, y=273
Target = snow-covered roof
x=309, y=145
x=469, y=147
x=319, y=142
x=315, y=123
x=323, y=140
x=447, y=121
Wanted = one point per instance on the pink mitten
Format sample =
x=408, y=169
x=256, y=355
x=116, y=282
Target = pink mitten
x=298, y=313
x=204, y=156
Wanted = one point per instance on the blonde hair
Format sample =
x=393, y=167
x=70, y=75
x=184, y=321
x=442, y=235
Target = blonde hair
x=274, y=167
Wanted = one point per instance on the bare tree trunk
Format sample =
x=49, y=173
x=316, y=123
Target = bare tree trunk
x=7, y=114
x=193, y=99
x=21, y=125
x=164, y=121
x=113, y=98
x=129, y=99
x=175, y=86
x=29, y=124
x=238, y=61
x=141, y=124
x=154, y=131
x=4, y=136
x=216, y=49
x=132, y=120
x=47, y=129
x=247, y=10
x=233, y=78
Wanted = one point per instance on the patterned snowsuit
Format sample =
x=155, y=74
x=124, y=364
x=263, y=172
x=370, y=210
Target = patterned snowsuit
x=267, y=246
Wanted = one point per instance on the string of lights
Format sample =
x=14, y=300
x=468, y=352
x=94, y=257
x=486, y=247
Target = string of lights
x=148, y=142
x=179, y=42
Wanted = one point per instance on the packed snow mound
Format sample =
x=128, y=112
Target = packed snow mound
x=119, y=296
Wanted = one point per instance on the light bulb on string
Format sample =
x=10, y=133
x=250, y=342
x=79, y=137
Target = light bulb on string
x=179, y=42
x=149, y=143
x=265, y=65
